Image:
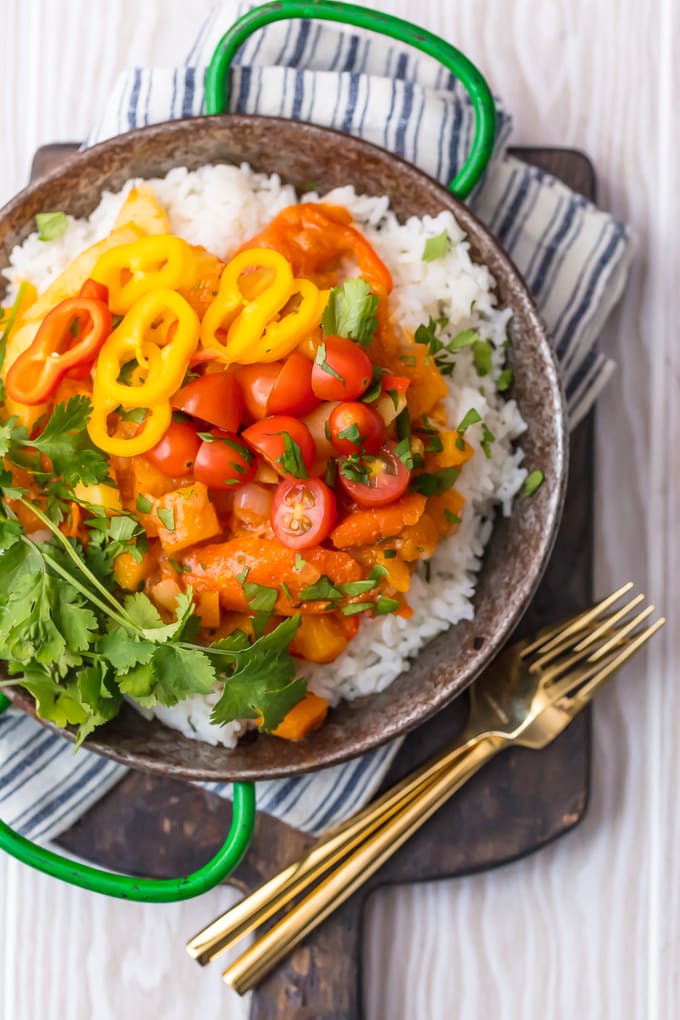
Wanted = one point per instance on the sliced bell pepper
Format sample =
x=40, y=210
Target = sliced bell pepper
x=247, y=322
x=146, y=335
x=313, y=236
x=154, y=427
x=132, y=270
x=71, y=334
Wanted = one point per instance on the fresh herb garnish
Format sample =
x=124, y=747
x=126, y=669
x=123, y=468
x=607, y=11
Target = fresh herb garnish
x=472, y=417
x=533, y=482
x=434, y=483
x=144, y=504
x=166, y=515
x=320, y=360
x=464, y=339
x=487, y=439
x=352, y=434
x=385, y=606
x=481, y=353
x=375, y=389
x=291, y=459
x=259, y=598
x=51, y=225
x=355, y=469
x=451, y=517
x=323, y=591
x=403, y=451
x=351, y=312
x=504, y=380
x=436, y=247
x=353, y=608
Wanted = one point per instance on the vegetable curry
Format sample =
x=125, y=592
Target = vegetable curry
x=214, y=469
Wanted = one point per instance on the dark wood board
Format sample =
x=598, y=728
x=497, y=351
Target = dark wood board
x=522, y=800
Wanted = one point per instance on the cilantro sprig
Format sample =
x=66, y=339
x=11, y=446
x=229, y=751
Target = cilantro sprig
x=351, y=312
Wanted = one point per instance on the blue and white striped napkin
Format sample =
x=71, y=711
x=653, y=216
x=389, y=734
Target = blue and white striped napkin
x=573, y=256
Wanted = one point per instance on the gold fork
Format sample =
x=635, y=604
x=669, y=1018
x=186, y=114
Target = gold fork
x=521, y=698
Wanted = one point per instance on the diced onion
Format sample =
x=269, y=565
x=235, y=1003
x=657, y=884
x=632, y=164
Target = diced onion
x=253, y=503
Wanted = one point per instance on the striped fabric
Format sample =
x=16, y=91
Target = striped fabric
x=574, y=258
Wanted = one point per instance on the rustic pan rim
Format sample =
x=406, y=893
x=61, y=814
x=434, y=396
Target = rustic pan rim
x=245, y=762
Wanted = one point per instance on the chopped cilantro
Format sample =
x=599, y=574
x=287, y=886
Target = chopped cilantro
x=451, y=517
x=259, y=598
x=351, y=312
x=323, y=590
x=375, y=389
x=436, y=482
x=385, y=606
x=389, y=554
x=403, y=451
x=51, y=225
x=533, y=482
x=144, y=504
x=320, y=360
x=286, y=591
x=471, y=418
x=291, y=459
x=166, y=515
x=436, y=247
x=464, y=339
x=504, y=380
x=487, y=439
x=481, y=353
x=352, y=434
x=352, y=608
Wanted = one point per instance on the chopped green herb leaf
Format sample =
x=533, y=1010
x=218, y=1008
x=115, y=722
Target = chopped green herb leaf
x=471, y=418
x=320, y=360
x=352, y=434
x=291, y=459
x=436, y=482
x=481, y=353
x=353, y=608
x=389, y=554
x=51, y=225
x=286, y=591
x=403, y=451
x=323, y=590
x=299, y=562
x=533, y=482
x=354, y=588
x=451, y=517
x=166, y=515
x=385, y=606
x=487, y=439
x=144, y=504
x=436, y=247
x=375, y=389
x=241, y=577
x=260, y=599
x=464, y=339
x=504, y=380
x=351, y=312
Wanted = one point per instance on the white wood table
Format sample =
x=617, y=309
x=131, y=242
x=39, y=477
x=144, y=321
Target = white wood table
x=590, y=926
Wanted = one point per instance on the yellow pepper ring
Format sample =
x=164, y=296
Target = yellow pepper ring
x=156, y=425
x=135, y=334
x=132, y=270
x=281, y=337
x=232, y=308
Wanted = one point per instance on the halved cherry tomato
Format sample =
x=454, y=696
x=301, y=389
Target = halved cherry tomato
x=215, y=399
x=268, y=438
x=223, y=461
x=341, y=371
x=354, y=426
x=257, y=382
x=278, y=387
x=303, y=513
x=376, y=479
x=177, y=450
x=292, y=391
x=97, y=291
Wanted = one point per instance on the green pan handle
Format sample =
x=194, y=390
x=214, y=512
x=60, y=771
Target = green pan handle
x=216, y=79
x=146, y=890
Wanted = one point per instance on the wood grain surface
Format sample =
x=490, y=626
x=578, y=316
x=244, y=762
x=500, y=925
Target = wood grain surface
x=590, y=926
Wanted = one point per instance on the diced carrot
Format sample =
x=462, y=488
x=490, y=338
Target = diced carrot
x=264, y=562
x=364, y=527
x=304, y=717
x=319, y=638
x=185, y=517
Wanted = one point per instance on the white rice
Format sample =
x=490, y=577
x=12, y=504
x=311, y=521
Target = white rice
x=221, y=206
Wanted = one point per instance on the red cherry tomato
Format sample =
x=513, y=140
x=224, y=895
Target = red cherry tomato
x=303, y=512
x=292, y=391
x=176, y=453
x=354, y=426
x=278, y=387
x=341, y=370
x=268, y=438
x=384, y=479
x=257, y=382
x=224, y=461
x=96, y=291
x=215, y=399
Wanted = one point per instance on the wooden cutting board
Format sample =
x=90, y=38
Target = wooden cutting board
x=521, y=801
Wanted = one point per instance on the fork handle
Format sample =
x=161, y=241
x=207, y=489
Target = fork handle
x=264, y=954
